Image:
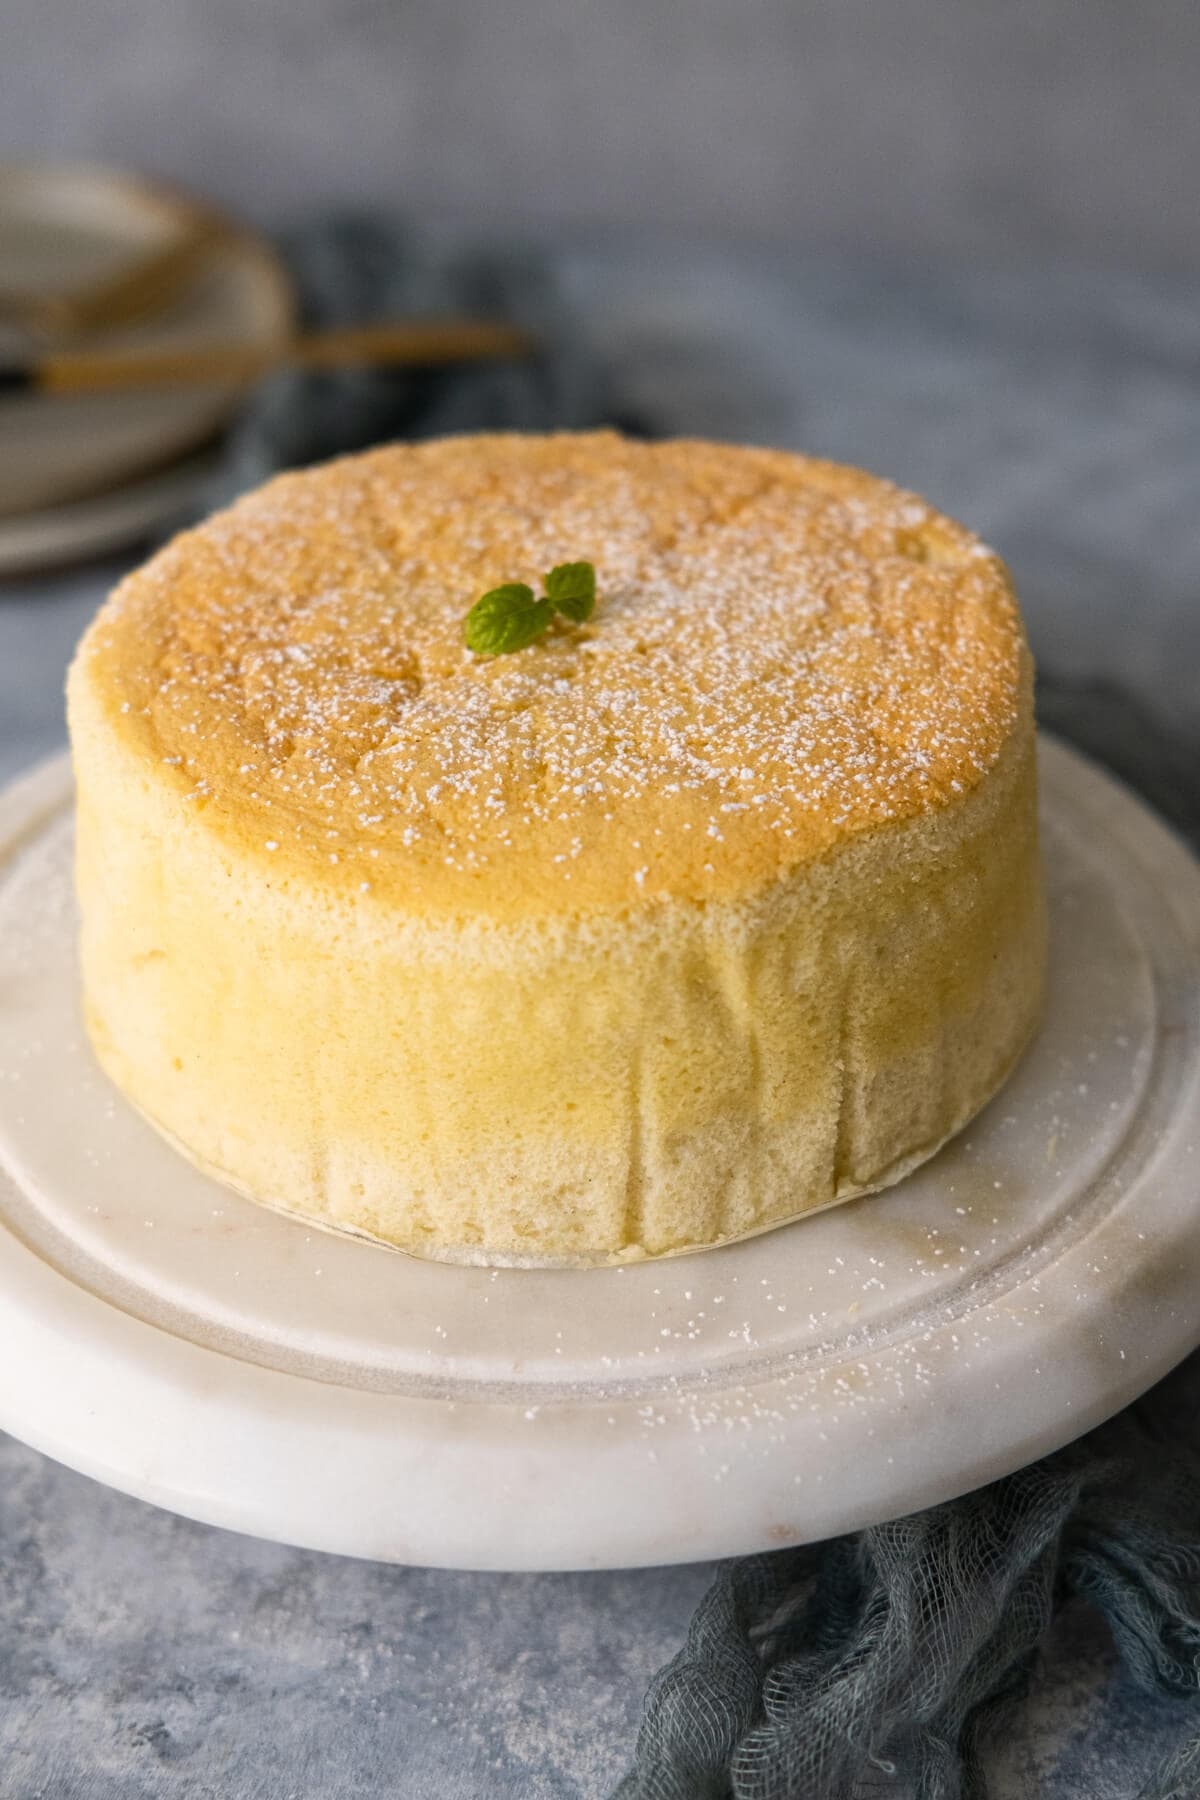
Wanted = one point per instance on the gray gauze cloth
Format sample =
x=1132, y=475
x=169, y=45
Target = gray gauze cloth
x=878, y=1663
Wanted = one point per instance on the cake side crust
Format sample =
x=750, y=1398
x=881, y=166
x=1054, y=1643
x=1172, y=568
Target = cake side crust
x=564, y=1090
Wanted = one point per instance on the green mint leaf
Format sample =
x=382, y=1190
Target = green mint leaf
x=506, y=618
x=571, y=587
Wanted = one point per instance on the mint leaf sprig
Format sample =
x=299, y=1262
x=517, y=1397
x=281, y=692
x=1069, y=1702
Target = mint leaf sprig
x=510, y=617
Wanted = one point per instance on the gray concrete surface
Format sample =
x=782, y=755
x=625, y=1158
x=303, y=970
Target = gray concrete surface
x=146, y=1658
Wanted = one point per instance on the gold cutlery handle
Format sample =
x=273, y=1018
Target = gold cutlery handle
x=412, y=345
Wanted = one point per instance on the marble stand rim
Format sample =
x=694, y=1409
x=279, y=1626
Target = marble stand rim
x=165, y=1337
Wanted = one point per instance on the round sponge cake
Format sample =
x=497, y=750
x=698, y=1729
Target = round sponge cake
x=719, y=908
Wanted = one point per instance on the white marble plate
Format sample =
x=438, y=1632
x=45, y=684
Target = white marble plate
x=169, y=1338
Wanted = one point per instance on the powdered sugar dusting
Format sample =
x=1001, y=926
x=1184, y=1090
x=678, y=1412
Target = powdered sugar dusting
x=782, y=655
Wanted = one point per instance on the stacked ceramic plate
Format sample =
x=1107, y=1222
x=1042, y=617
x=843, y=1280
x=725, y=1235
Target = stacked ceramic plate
x=86, y=473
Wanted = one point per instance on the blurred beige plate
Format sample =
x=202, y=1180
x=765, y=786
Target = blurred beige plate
x=64, y=227
x=58, y=535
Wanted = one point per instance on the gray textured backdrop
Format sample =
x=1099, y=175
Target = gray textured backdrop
x=994, y=124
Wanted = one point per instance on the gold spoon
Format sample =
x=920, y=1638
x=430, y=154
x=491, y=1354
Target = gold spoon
x=408, y=344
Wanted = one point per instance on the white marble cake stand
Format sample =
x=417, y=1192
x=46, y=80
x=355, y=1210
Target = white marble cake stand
x=179, y=1343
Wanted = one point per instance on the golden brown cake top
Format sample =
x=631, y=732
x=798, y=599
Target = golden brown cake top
x=784, y=653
